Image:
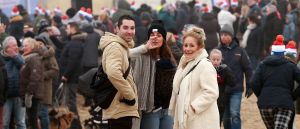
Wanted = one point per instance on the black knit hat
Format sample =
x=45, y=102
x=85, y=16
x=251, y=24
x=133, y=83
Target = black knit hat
x=57, y=19
x=157, y=25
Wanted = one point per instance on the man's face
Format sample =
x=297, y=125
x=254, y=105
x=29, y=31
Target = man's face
x=12, y=47
x=226, y=38
x=127, y=30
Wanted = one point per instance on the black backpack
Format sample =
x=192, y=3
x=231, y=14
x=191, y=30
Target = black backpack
x=103, y=88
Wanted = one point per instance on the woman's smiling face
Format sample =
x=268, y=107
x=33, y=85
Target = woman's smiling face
x=190, y=46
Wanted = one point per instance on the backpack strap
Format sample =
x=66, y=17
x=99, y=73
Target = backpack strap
x=128, y=69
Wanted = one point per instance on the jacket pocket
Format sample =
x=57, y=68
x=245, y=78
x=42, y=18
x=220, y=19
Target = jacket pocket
x=191, y=115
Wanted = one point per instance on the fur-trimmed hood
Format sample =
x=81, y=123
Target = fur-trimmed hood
x=16, y=18
x=78, y=36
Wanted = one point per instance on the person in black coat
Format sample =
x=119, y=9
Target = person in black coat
x=211, y=28
x=3, y=83
x=90, y=49
x=253, y=40
x=273, y=84
x=225, y=78
x=70, y=67
x=237, y=59
x=90, y=55
x=272, y=27
x=16, y=26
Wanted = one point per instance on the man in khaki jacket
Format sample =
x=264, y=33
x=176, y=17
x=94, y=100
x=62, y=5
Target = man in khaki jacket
x=115, y=62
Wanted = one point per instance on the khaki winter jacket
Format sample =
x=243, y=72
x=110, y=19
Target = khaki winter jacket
x=115, y=63
x=50, y=71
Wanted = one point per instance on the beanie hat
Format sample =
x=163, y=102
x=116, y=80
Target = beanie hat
x=57, y=19
x=278, y=47
x=290, y=48
x=15, y=11
x=158, y=26
x=227, y=29
x=71, y=12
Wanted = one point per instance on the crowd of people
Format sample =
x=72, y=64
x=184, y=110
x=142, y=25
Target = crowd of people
x=188, y=63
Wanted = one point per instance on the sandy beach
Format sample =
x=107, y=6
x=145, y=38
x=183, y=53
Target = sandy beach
x=250, y=116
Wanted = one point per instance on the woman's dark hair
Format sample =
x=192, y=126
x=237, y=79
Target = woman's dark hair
x=255, y=19
x=163, y=52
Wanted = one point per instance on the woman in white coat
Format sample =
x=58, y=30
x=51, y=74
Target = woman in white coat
x=195, y=89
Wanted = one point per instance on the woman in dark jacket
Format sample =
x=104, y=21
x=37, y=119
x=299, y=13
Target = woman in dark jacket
x=153, y=73
x=32, y=80
x=211, y=28
x=272, y=27
x=273, y=84
x=253, y=40
x=50, y=72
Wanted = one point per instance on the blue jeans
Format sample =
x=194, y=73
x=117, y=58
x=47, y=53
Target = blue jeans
x=232, y=119
x=43, y=115
x=157, y=120
x=13, y=106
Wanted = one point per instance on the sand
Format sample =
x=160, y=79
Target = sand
x=250, y=116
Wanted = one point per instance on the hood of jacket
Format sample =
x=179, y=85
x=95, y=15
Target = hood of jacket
x=110, y=38
x=79, y=36
x=47, y=52
x=32, y=54
x=275, y=60
x=16, y=18
x=88, y=28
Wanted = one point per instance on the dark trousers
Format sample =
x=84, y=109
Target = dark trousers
x=71, y=102
x=121, y=123
x=1, y=113
x=32, y=114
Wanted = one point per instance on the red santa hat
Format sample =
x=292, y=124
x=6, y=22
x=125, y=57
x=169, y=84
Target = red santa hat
x=278, y=48
x=64, y=19
x=205, y=9
x=221, y=4
x=234, y=3
x=290, y=48
x=15, y=11
x=57, y=10
x=37, y=8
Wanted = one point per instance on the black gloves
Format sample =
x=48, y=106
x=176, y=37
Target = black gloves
x=128, y=102
x=248, y=93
